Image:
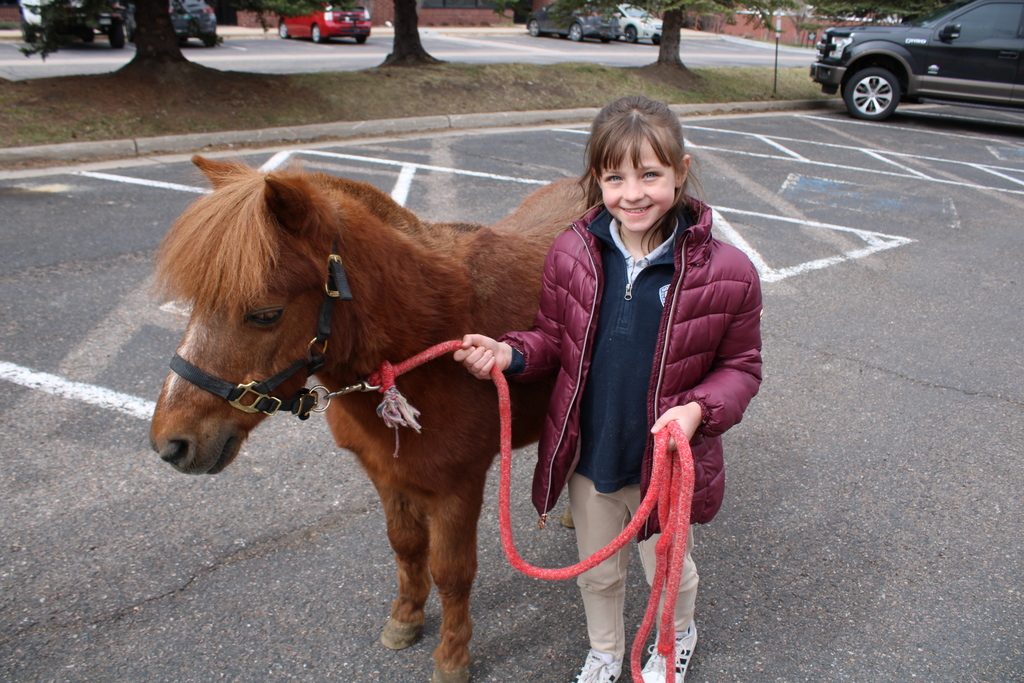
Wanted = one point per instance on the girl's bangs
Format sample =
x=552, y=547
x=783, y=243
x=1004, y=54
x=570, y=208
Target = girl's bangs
x=628, y=144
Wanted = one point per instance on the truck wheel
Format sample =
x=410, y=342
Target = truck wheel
x=116, y=34
x=872, y=94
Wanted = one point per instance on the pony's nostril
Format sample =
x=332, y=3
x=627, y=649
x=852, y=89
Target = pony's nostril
x=175, y=452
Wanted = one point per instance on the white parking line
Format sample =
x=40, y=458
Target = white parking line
x=425, y=167
x=785, y=150
x=865, y=150
x=875, y=155
x=93, y=395
x=892, y=126
x=989, y=169
x=873, y=171
x=401, y=190
x=876, y=241
x=142, y=181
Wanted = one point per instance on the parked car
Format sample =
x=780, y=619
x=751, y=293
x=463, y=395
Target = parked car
x=190, y=18
x=575, y=25
x=330, y=23
x=968, y=51
x=77, y=21
x=639, y=24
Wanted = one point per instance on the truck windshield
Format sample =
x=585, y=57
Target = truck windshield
x=935, y=16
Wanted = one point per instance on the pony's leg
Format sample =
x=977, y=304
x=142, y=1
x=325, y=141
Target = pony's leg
x=453, y=564
x=410, y=539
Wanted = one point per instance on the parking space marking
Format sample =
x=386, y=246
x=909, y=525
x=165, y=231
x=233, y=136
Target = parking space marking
x=892, y=126
x=873, y=171
x=989, y=169
x=400, y=192
x=785, y=150
x=876, y=241
x=142, y=181
x=392, y=162
x=88, y=393
x=875, y=155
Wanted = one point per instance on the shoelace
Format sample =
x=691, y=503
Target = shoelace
x=659, y=664
x=591, y=667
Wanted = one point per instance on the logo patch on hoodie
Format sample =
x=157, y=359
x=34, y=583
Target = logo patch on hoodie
x=663, y=292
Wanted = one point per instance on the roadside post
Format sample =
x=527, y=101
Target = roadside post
x=778, y=30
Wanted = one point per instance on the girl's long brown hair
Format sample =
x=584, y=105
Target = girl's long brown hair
x=618, y=132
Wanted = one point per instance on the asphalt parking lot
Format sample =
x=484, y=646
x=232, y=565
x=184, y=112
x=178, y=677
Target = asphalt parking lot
x=872, y=523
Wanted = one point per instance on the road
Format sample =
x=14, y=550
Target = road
x=872, y=522
x=273, y=55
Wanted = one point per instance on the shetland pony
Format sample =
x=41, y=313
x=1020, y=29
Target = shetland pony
x=250, y=258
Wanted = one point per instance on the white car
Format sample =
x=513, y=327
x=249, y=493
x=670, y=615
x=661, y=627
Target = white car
x=638, y=24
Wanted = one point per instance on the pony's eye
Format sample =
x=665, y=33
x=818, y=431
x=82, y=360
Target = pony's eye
x=265, y=317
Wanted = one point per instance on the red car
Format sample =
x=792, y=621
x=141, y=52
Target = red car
x=330, y=23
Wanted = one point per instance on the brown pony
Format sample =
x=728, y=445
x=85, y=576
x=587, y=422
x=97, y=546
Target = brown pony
x=251, y=259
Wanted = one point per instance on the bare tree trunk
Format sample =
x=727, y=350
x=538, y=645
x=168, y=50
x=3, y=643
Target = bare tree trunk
x=407, y=50
x=668, y=52
x=155, y=40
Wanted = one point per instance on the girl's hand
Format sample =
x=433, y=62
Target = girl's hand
x=688, y=416
x=479, y=354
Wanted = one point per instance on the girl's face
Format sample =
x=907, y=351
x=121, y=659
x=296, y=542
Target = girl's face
x=639, y=196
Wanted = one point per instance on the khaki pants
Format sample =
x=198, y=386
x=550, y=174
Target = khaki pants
x=599, y=518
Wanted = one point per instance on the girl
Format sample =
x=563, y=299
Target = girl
x=644, y=319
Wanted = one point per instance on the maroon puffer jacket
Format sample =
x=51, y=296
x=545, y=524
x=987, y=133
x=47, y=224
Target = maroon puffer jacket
x=708, y=351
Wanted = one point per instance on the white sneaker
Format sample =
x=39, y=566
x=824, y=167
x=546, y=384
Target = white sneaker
x=654, y=670
x=600, y=668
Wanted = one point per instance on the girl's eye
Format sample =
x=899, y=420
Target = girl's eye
x=612, y=178
x=265, y=317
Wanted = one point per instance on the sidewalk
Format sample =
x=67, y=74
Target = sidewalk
x=321, y=132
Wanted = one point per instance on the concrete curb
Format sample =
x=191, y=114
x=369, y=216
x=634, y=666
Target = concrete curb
x=351, y=129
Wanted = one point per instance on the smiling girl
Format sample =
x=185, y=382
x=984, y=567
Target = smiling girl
x=644, y=319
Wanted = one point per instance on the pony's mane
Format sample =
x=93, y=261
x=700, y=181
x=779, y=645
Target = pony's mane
x=218, y=253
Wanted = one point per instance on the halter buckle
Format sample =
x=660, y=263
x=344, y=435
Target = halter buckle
x=327, y=286
x=251, y=407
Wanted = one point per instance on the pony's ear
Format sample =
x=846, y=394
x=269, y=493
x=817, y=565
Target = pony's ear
x=298, y=205
x=218, y=172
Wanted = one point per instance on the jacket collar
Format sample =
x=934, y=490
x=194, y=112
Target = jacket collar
x=697, y=219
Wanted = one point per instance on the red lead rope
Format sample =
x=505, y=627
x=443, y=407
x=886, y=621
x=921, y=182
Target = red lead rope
x=671, y=488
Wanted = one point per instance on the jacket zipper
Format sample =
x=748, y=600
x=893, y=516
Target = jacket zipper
x=668, y=327
x=576, y=391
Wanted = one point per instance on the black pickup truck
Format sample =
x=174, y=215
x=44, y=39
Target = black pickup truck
x=966, y=52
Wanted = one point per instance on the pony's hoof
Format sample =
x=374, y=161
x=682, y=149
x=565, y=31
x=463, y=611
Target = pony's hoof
x=457, y=676
x=399, y=635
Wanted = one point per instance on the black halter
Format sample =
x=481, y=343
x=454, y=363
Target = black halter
x=254, y=397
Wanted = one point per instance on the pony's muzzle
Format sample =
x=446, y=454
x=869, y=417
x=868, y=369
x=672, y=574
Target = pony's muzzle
x=186, y=456
x=175, y=453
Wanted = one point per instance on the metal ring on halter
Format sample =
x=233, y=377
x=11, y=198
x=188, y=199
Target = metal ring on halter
x=323, y=398
x=323, y=351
